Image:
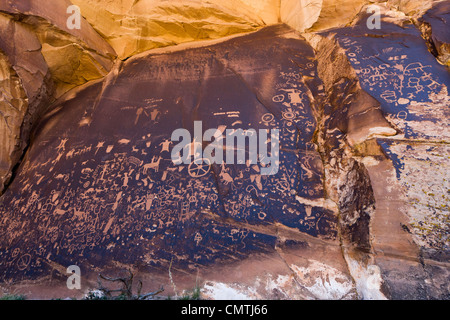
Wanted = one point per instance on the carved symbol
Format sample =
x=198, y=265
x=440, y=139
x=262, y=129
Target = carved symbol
x=199, y=168
x=288, y=115
x=213, y=197
x=278, y=98
x=198, y=238
x=23, y=262
x=153, y=165
x=268, y=117
x=283, y=186
x=15, y=253
x=402, y=115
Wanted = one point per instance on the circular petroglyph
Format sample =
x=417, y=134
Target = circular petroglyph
x=199, y=168
x=403, y=101
x=278, y=98
x=402, y=115
x=23, y=262
x=268, y=117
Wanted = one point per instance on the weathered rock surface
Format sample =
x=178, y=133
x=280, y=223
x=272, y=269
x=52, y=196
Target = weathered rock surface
x=357, y=209
x=24, y=91
x=434, y=25
x=114, y=197
x=132, y=26
x=13, y=108
x=73, y=55
x=45, y=59
x=412, y=90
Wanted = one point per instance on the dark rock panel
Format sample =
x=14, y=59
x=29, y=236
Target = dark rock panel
x=98, y=186
x=395, y=67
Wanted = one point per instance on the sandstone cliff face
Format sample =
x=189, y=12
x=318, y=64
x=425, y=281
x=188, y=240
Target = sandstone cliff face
x=13, y=109
x=24, y=90
x=136, y=26
x=45, y=59
x=357, y=209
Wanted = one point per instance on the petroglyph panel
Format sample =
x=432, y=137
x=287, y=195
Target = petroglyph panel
x=99, y=185
x=403, y=76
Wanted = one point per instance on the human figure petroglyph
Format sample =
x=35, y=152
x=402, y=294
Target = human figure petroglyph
x=154, y=114
x=126, y=179
x=62, y=145
x=100, y=145
x=138, y=115
x=165, y=145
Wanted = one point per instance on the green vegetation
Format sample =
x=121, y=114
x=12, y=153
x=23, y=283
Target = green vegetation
x=9, y=297
x=195, y=294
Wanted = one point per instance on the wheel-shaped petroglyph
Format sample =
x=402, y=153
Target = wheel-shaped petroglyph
x=199, y=168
